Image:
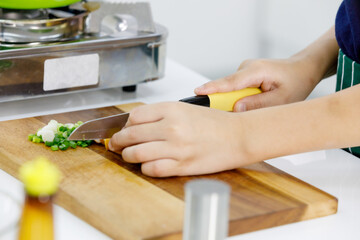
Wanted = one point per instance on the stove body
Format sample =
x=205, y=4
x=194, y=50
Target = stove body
x=73, y=51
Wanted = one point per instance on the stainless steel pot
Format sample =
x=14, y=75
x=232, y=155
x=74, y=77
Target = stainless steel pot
x=42, y=25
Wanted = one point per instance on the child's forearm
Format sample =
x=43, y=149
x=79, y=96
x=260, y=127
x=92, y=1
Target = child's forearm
x=320, y=57
x=322, y=123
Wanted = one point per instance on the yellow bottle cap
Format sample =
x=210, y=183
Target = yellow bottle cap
x=40, y=177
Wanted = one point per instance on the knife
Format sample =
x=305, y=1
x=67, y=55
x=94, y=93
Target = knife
x=222, y=101
x=99, y=128
x=105, y=127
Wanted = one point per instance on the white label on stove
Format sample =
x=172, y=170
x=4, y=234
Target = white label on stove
x=70, y=72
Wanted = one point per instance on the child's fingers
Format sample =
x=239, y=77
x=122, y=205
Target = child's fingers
x=160, y=168
x=145, y=114
x=135, y=135
x=225, y=84
x=149, y=151
x=265, y=99
x=236, y=81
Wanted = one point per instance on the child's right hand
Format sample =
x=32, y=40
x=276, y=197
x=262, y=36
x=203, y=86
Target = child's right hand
x=282, y=81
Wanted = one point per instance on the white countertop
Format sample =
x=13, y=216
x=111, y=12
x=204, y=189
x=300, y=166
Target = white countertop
x=333, y=171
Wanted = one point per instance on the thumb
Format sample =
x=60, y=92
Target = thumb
x=225, y=84
x=262, y=100
x=236, y=81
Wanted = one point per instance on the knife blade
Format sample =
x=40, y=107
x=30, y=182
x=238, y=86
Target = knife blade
x=99, y=128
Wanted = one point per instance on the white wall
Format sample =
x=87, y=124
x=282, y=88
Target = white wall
x=288, y=26
x=213, y=37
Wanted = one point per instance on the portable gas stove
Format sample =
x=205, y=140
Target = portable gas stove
x=49, y=47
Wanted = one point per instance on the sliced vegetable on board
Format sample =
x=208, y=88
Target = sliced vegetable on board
x=55, y=135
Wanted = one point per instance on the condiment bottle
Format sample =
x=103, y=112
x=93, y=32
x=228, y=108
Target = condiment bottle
x=41, y=180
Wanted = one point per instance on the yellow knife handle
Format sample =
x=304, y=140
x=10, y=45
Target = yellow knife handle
x=226, y=101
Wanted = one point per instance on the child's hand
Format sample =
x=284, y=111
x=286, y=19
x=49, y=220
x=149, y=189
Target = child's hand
x=173, y=139
x=282, y=81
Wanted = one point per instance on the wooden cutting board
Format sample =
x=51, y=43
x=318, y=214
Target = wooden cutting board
x=114, y=197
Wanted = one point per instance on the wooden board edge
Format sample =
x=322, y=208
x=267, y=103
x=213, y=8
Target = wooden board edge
x=129, y=106
x=274, y=219
x=247, y=225
x=273, y=181
x=172, y=236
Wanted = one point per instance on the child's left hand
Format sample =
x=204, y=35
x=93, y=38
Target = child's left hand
x=173, y=139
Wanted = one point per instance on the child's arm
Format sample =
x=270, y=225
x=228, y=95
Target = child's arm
x=282, y=81
x=322, y=123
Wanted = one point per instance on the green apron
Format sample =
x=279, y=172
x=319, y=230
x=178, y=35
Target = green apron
x=348, y=74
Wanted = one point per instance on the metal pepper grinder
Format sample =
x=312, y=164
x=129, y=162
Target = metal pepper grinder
x=206, y=210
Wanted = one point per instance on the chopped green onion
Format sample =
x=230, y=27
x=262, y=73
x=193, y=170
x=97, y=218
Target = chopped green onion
x=73, y=144
x=55, y=147
x=66, y=143
x=61, y=134
x=63, y=147
x=36, y=139
x=31, y=136
x=62, y=129
x=56, y=140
